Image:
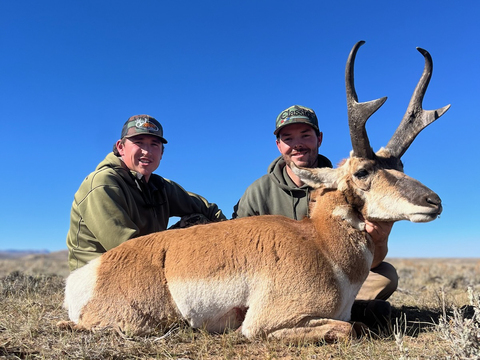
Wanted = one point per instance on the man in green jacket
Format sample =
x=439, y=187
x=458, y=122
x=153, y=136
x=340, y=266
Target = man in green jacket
x=281, y=192
x=123, y=199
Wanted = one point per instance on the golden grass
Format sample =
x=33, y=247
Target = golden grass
x=31, y=295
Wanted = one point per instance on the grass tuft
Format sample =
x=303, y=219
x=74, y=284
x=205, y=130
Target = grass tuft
x=461, y=329
x=18, y=283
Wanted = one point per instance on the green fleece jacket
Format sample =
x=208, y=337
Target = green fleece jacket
x=276, y=194
x=113, y=205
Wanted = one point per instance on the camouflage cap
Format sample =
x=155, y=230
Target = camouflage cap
x=296, y=114
x=140, y=125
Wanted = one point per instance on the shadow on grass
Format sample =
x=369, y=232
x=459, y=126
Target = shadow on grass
x=419, y=320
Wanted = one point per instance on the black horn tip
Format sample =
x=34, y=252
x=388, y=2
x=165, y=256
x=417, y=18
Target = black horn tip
x=423, y=51
x=357, y=45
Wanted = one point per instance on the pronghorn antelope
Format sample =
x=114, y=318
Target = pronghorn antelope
x=267, y=275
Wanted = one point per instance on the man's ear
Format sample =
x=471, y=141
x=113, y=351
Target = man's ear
x=120, y=147
x=320, y=138
x=277, y=141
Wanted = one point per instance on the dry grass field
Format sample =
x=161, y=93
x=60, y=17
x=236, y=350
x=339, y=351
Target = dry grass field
x=436, y=315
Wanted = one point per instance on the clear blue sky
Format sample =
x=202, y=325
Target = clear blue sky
x=216, y=74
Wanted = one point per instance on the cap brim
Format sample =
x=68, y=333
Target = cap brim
x=162, y=139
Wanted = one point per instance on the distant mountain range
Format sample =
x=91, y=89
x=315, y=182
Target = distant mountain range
x=13, y=254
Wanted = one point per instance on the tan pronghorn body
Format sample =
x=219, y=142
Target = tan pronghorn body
x=267, y=275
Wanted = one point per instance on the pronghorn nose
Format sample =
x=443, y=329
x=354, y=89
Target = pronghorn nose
x=433, y=199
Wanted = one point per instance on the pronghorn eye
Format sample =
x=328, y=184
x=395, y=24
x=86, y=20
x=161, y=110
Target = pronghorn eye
x=360, y=174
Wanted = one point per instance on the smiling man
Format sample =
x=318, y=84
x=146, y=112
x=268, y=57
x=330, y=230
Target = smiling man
x=123, y=199
x=281, y=192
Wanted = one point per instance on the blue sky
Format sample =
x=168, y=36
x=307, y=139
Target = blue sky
x=216, y=74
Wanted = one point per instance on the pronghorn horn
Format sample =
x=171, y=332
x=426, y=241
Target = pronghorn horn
x=415, y=118
x=358, y=113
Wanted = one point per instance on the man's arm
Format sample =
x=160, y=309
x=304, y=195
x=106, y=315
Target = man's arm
x=184, y=203
x=243, y=209
x=379, y=231
x=252, y=202
x=104, y=212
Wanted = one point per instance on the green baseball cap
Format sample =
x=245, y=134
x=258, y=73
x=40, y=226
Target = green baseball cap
x=296, y=114
x=141, y=125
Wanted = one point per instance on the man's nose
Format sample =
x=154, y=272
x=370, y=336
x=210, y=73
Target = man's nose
x=297, y=143
x=146, y=148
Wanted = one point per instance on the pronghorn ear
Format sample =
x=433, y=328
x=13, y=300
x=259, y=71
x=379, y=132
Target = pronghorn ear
x=317, y=177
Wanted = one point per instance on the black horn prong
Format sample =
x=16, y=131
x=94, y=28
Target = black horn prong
x=358, y=113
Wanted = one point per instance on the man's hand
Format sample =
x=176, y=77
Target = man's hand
x=379, y=231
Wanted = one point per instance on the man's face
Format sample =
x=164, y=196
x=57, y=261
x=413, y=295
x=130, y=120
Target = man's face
x=141, y=153
x=299, y=143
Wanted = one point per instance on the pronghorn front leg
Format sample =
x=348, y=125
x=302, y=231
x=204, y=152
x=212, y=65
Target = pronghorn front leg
x=316, y=330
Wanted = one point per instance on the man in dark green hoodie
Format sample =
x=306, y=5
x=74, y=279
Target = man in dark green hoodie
x=123, y=199
x=281, y=192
